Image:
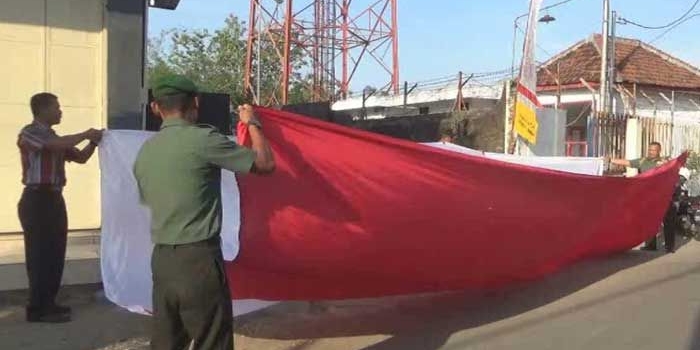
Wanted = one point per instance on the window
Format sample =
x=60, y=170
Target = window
x=423, y=110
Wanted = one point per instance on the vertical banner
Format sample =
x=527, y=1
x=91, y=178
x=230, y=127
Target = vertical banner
x=525, y=121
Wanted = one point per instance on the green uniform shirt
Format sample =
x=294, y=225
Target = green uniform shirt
x=645, y=164
x=178, y=172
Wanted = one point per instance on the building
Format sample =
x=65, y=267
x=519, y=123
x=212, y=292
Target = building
x=91, y=54
x=647, y=83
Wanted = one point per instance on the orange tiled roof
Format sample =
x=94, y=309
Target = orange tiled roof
x=635, y=61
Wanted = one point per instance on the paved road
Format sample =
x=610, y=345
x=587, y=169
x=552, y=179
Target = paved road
x=636, y=300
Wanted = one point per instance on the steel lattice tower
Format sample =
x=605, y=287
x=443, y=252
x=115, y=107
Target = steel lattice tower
x=335, y=37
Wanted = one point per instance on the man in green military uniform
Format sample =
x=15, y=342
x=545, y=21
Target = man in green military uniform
x=178, y=172
x=651, y=161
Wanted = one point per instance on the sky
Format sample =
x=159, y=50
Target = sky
x=438, y=38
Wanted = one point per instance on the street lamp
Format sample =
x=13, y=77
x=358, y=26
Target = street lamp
x=547, y=18
x=544, y=19
x=164, y=4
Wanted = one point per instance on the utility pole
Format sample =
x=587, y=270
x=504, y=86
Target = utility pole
x=611, y=63
x=604, y=61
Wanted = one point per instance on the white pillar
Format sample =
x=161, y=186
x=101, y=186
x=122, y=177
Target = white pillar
x=633, y=142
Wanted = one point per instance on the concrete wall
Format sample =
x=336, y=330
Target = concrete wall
x=414, y=109
x=486, y=127
x=423, y=95
x=422, y=128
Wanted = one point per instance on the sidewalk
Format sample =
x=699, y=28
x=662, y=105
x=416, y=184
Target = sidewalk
x=82, y=260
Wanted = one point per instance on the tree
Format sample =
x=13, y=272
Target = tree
x=215, y=61
x=300, y=90
x=157, y=65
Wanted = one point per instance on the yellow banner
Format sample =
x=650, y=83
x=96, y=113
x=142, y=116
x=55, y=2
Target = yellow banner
x=526, y=122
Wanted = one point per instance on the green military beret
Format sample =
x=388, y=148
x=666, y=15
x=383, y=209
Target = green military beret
x=173, y=84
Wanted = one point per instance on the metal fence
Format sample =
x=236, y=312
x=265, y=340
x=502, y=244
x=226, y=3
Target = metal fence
x=674, y=138
x=607, y=132
x=606, y=135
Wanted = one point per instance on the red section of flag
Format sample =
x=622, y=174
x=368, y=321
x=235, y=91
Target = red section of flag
x=350, y=214
x=242, y=135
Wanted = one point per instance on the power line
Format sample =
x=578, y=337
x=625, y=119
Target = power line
x=538, y=45
x=555, y=5
x=679, y=19
x=515, y=25
x=673, y=27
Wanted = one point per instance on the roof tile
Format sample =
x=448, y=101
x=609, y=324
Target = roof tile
x=635, y=61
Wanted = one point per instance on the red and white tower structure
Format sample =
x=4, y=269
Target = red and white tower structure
x=336, y=38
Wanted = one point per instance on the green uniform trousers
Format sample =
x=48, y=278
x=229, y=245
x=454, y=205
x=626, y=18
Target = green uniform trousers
x=191, y=299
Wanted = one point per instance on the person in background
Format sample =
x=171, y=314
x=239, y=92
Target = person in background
x=41, y=209
x=178, y=172
x=651, y=161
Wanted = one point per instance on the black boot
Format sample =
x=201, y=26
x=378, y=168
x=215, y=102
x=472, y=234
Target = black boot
x=46, y=315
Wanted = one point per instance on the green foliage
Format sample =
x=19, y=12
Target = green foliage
x=216, y=60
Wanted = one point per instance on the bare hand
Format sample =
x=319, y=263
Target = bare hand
x=245, y=113
x=94, y=135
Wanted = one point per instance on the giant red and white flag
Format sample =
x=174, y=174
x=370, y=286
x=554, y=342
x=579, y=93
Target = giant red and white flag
x=351, y=214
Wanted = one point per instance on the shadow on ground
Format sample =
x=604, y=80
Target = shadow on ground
x=427, y=321
x=97, y=324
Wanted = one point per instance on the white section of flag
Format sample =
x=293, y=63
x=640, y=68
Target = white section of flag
x=125, y=241
x=576, y=165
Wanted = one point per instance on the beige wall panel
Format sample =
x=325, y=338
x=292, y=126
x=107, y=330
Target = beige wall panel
x=12, y=119
x=22, y=71
x=74, y=75
x=82, y=192
x=22, y=68
x=22, y=20
x=65, y=57
x=75, y=22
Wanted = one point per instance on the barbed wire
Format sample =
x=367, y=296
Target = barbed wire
x=482, y=79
